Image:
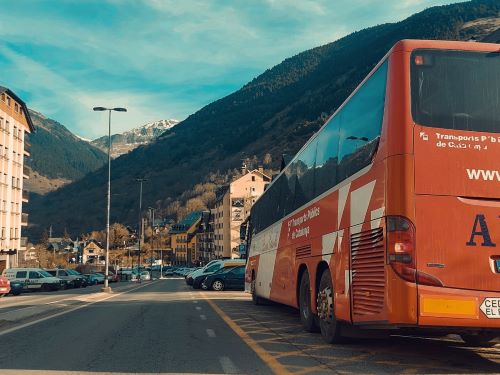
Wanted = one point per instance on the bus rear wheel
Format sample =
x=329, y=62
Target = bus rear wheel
x=307, y=317
x=481, y=340
x=328, y=324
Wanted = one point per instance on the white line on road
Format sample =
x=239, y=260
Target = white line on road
x=198, y=308
x=13, y=329
x=210, y=333
x=203, y=317
x=228, y=366
x=195, y=301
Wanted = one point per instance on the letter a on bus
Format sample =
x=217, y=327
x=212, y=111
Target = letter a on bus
x=481, y=231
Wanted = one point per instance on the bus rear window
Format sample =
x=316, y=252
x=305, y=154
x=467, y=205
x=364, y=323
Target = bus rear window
x=456, y=89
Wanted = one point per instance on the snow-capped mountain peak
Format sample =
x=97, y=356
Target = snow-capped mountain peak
x=127, y=141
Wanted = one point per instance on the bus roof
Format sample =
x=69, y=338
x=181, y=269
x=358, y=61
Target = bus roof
x=407, y=45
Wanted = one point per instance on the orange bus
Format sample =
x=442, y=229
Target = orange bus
x=389, y=216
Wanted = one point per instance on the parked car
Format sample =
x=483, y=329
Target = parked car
x=226, y=278
x=100, y=277
x=145, y=275
x=84, y=282
x=169, y=272
x=113, y=277
x=190, y=277
x=73, y=281
x=17, y=287
x=4, y=286
x=91, y=278
x=34, y=278
x=222, y=263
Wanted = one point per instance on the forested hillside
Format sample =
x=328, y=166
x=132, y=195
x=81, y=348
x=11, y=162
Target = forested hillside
x=57, y=154
x=276, y=112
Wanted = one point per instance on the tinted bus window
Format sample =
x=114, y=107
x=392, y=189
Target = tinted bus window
x=303, y=170
x=360, y=124
x=456, y=89
x=327, y=156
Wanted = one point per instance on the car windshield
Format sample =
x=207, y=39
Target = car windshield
x=73, y=272
x=45, y=273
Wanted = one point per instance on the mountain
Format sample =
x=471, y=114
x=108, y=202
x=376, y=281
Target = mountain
x=58, y=156
x=274, y=113
x=126, y=142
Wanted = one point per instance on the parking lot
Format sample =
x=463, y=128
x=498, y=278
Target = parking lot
x=173, y=328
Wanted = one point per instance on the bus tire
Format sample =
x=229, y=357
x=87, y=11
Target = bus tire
x=481, y=340
x=307, y=317
x=328, y=324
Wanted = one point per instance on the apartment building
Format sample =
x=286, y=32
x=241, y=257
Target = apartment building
x=184, y=239
x=15, y=125
x=232, y=207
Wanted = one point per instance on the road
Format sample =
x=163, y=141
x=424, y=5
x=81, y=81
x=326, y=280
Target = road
x=165, y=327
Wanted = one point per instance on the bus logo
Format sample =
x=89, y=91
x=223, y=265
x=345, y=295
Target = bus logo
x=480, y=228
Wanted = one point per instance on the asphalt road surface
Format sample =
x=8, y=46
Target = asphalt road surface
x=165, y=327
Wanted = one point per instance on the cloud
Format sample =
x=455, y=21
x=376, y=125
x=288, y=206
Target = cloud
x=162, y=58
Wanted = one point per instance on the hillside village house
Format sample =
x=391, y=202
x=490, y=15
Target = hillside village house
x=184, y=239
x=93, y=252
x=232, y=207
x=15, y=124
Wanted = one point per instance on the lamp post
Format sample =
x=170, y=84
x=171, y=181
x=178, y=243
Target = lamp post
x=106, y=262
x=140, y=180
x=152, y=211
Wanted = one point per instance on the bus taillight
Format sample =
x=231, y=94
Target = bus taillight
x=401, y=252
x=401, y=247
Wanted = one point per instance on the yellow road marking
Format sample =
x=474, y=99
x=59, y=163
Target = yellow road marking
x=273, y=364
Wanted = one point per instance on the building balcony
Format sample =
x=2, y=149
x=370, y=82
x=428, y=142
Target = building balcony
x=25, y=196
x=26, y=172
x=24, y=219
x=27, y=144
x=24, y=243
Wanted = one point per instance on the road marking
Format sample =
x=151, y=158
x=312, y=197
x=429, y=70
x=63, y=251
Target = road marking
x=195, y=301
x=210, y=332
x=13, y=329
x=198, y=308
x=268, y=359
x=228, y=366
x=203, y=317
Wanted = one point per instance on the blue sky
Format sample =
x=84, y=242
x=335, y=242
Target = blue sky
x=162, y=58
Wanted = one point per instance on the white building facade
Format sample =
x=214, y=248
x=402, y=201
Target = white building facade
x=15, y=124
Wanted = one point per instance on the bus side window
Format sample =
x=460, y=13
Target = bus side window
x=21, y=274
x=361, y=123
x=327, y=156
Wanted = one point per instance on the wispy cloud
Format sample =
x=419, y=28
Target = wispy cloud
x=162, y=58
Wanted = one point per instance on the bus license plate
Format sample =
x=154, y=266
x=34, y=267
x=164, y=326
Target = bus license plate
x=491, y=307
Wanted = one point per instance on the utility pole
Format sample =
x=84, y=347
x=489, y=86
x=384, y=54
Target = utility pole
x=140, y=180
x=152, y=211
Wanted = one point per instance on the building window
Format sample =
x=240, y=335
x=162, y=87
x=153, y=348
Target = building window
x=8, y=101
x=3, y=97
x=253, y=189
x=253, y=178
x=16, y=107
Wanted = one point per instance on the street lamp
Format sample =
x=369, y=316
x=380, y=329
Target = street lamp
x=100, y=109
x=140, y=180
x=152, y=213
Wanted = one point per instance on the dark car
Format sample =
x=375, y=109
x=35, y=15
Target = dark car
x=17, y=287
x=226, y=278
